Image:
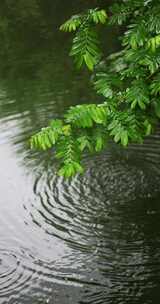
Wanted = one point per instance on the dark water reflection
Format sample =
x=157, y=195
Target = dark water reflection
x=92, y=240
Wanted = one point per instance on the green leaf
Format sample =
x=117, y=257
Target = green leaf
x=84, y=142
x=157, y=109
x=124, y=138
x=133, y=104
x=153, y=43
x=72, y=24
x=99, y=144
x=70, y=169
x=141, y=104
x=98, y=16
x=129, y=82
x=117, y=137
x=89, y=61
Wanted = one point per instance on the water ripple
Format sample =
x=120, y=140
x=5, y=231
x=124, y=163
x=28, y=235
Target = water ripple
x=98, y=233
x=16, y=271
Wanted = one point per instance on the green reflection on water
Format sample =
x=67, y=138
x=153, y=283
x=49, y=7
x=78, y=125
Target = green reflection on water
x=35, y=71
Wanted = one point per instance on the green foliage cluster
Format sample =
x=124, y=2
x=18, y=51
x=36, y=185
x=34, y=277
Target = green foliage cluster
x=85, y=48
x=128, y=81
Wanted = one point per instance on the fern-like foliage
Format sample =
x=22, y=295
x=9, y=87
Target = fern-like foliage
x=85, y=116
x=154, y=43
x=72, y=24
x=128, y=81
x=85, y=48
x=48, y=136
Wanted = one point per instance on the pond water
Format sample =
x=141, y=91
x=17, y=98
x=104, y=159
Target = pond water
x=94, y=239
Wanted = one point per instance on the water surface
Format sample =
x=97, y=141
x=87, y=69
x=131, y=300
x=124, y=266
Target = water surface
x=94, y=239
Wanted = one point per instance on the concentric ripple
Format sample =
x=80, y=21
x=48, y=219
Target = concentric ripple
x=68, y=209
x=111, y=216
x=16, y=272
x=95, y=238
